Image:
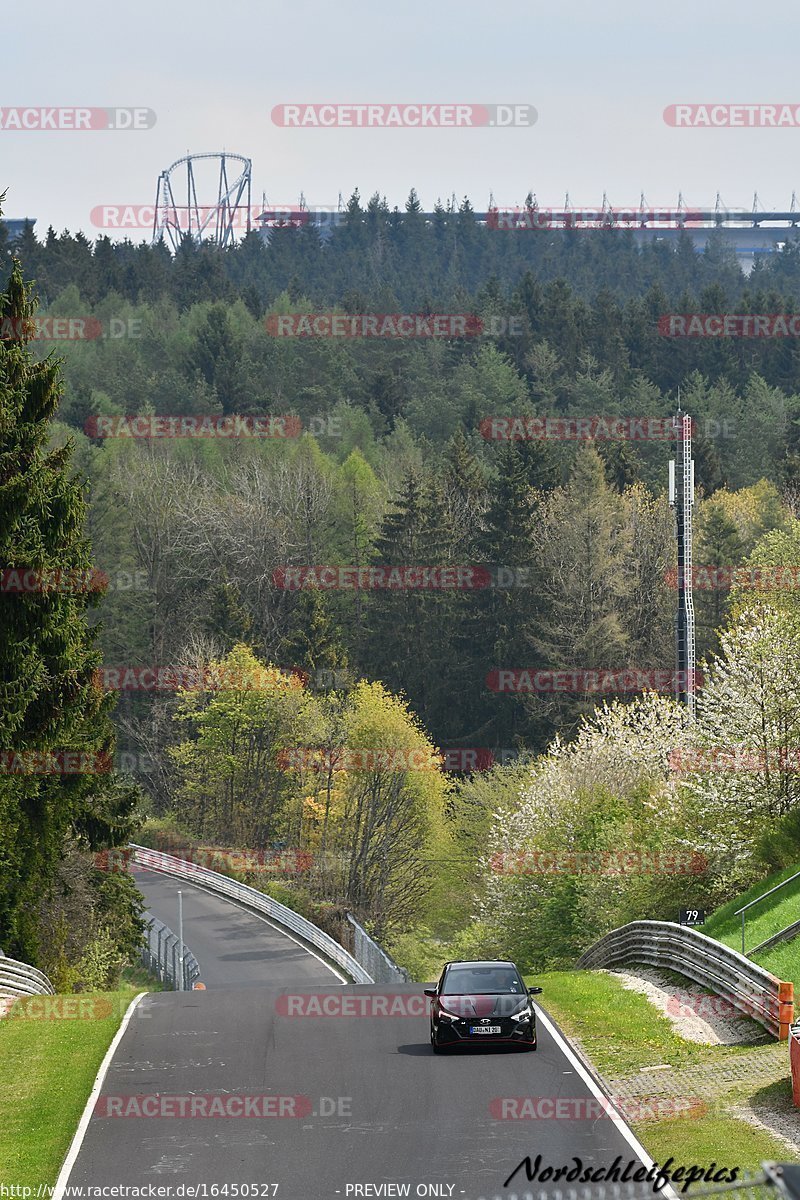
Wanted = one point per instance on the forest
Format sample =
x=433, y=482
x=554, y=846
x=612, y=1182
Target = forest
x=360, y=565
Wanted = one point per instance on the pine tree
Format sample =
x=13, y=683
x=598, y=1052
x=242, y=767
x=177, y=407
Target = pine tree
x=619, y=461
x=585, y=546
x=708, y=471
x=410, y=629
x=312, y=643
x=463, y=473
x=49, y=698
x=718, y=545
x=498, y=621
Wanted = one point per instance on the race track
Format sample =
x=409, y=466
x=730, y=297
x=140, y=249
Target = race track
x=357, y=1100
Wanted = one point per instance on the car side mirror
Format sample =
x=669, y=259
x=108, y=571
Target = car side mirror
x=534, y=991
x=430, y=992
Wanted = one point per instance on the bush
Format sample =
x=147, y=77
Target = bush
x=89, y=925
x=779, y=846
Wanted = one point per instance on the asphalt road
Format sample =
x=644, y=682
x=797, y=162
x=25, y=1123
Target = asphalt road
x=233, y=947
x=363, y=1101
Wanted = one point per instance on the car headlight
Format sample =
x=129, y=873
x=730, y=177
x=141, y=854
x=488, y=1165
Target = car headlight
x=523, y=1013
x=447, y=1016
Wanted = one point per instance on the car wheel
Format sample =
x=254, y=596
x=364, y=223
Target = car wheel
x=435, y=1047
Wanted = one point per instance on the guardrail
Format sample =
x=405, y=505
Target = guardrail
x=161, y=954
x=222, y=885
x=373, y=958
x=19, y=979
x=753, y=990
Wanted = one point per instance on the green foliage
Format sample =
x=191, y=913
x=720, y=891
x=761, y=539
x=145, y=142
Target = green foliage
x=232, y=785
x=49, y=700
x=778, y=846
x=394, y=470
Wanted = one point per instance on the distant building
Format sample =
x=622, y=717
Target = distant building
x=14, y=228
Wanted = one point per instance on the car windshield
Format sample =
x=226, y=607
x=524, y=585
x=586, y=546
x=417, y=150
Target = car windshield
x=482, y=981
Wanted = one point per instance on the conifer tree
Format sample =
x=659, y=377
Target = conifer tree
x=50, y=701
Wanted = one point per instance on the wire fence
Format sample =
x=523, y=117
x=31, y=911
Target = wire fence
x=372, y=958
x=279, y=914
x=161, y=954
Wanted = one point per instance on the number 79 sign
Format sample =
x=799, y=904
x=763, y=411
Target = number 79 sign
x=692, y=916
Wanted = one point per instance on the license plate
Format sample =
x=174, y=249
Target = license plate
x=485, y=1029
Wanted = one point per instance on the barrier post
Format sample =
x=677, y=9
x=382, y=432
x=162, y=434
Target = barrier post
x=785, y=1009
x=794, y=1058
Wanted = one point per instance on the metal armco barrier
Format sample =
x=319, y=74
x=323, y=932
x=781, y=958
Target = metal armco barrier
x=18, y=979
x=161, y=954
x=753, y=990
x=794, y=1059
x=374, y=959
x=221, y=885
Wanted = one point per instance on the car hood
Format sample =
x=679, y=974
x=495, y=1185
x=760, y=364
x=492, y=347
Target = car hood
x=501, y=1004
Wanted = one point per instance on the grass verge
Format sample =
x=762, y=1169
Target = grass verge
x=761, y=922
x=49, y=1067
x=621, y=1032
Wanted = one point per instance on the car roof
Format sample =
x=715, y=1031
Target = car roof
x=476, y=962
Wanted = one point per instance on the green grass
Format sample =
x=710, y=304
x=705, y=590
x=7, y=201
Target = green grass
x=139, y=979
x=49, y=1067
x=761, y=922
x=620, y=1031
x=719, y=1139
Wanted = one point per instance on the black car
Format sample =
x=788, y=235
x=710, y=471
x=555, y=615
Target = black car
x=483, y=1003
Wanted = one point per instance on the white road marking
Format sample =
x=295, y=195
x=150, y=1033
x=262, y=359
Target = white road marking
x=83, y=1124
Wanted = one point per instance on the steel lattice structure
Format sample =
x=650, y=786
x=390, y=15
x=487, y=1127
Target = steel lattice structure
x=681, y=497
x=216, y=221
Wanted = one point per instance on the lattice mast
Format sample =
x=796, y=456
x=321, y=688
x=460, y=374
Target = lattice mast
x=681, y=498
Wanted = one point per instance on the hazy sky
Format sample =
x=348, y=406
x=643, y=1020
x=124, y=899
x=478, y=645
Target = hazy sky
x=599, y=75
